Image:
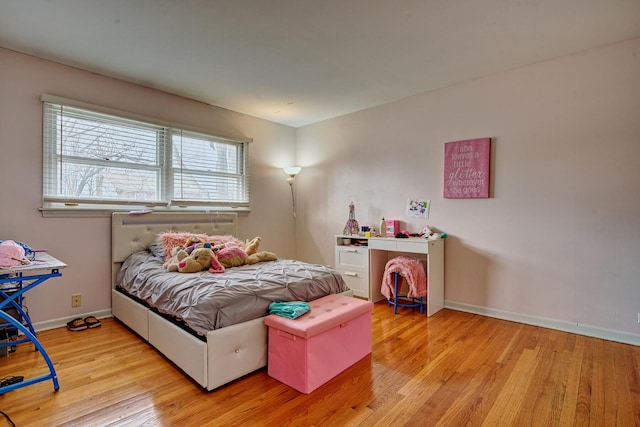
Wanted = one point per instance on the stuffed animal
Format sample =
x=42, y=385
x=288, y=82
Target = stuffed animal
x=226, y=254
x=199, y=260
x=251, y=246
x=261, y=256
x=177, y=254
x=233, y=256
x=192, y=241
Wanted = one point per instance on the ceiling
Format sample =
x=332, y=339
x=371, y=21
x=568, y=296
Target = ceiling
x=297, y=62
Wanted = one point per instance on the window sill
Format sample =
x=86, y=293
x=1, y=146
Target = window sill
x=105, y=212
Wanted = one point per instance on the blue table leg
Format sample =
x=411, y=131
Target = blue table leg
x=30, y=338
x=395, y=292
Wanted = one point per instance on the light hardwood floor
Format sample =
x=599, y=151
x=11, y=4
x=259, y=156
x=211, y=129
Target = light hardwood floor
x=453, y=369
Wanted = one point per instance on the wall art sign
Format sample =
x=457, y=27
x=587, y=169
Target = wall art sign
x=418, y=208
x=466, y=169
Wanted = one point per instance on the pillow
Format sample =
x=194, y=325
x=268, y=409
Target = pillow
x=157, y=249
x=171, y=240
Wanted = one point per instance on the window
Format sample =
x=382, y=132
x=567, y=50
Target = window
x=93, y=158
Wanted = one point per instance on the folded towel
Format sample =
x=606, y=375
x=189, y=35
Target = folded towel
x=292, y=309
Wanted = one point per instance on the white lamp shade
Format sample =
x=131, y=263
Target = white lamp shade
x=292, y=170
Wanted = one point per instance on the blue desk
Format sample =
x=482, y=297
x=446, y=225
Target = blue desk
x=20, y=280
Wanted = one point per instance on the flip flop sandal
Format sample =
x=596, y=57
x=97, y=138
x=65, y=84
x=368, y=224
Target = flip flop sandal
x=11, y=380
x=92, y=322
x=77, y=325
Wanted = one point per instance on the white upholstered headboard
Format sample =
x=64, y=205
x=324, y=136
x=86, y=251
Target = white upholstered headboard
x=133, y=233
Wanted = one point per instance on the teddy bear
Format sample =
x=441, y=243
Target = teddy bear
x=177, y=254
x=227, y=254
x=200, y=259
x=234, y=256
x=260, y=256
x=193, y=243
x=251, y=246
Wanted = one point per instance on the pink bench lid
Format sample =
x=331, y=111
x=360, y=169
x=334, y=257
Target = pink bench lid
x=326, y=313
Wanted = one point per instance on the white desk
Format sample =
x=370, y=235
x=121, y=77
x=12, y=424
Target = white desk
x=381, y=249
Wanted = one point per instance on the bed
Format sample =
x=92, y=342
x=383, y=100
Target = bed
x=214, y=353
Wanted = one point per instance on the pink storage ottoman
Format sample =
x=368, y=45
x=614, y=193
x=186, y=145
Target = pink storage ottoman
x=306, y=352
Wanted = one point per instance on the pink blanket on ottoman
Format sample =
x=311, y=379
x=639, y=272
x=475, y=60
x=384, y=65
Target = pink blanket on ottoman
x=411, y=270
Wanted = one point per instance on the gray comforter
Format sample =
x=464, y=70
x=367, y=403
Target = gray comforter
x=206, y=301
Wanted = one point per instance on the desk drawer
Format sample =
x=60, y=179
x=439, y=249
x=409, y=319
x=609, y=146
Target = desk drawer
x=352, y=257
x=419, y=246
x=416, y=246
x=383, y=244
x=357, y=281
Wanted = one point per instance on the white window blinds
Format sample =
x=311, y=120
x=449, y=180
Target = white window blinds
x=95, y=158
x=206, y=168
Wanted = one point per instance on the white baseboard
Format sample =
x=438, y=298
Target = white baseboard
x=62, y=321
x=561, y=325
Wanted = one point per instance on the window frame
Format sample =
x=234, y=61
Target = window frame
x=56, y=206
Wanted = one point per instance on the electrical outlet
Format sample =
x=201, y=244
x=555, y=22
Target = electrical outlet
x=639, y=317
x=76, y=300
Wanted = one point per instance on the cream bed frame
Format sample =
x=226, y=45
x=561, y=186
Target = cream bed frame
x=228, y=353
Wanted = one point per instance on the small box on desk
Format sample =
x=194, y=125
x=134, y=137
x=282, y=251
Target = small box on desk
x=392, y=227
x=306, y=352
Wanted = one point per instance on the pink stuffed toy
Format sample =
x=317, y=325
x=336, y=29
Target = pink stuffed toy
x=233, y=256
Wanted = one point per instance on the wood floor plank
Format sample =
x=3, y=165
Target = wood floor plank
x=620, y=387
x=451, y=369
x=506, y=408
x=572, y=367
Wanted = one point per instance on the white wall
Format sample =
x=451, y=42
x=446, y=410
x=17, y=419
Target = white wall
x=84, y=244
x=559, y=238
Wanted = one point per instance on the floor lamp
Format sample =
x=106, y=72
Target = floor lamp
x=292, y=171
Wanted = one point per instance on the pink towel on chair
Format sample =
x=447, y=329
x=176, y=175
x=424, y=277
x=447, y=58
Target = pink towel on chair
x=411, y=270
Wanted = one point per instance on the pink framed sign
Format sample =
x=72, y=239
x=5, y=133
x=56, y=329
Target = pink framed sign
x=466, y=169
